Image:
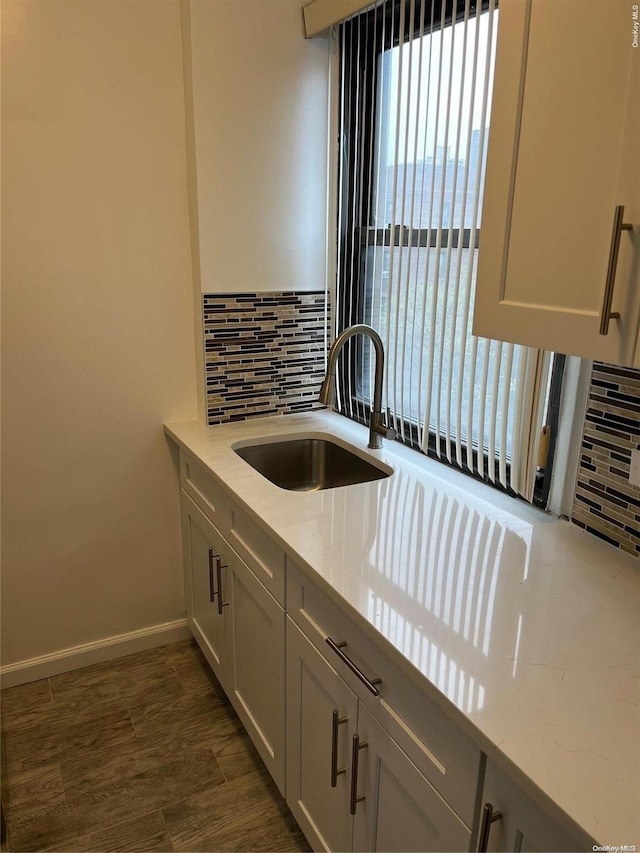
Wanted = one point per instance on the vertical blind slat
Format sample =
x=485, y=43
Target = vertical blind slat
x=366, y=40
x=498, y=348
x=412, y=280
x=455, y=257
x=423, y=422
x=382, y=85
x=471, y=400
x=517, y=421
x=433, y=305
x=341, y=224
x=402, y=289
x=369, y=119
x=465, y=281
x=395, y=256
x=443, y=292
x=504, y=414
x=482, y=405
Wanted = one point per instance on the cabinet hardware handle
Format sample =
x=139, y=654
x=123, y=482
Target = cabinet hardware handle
x=488, y=817
x=212, y=592
x=618, y=227
x=219, y=569
x=355, y=758
x=335, y=722
x=369, y=683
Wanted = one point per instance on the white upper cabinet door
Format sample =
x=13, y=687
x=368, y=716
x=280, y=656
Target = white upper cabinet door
x=563, y=155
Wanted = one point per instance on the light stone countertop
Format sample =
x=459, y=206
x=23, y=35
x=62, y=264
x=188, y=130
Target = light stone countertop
x=524, y=628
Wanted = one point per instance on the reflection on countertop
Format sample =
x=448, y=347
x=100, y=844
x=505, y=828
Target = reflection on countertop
x=432, y=561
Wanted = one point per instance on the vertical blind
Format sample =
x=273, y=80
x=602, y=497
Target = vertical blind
x=416, y=80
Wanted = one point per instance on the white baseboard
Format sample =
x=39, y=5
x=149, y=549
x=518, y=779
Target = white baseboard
x=96, y=652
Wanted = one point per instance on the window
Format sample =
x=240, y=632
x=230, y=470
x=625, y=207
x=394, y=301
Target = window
x=415, y=91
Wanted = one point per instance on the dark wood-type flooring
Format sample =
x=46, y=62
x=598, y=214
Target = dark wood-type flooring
x=137, y=754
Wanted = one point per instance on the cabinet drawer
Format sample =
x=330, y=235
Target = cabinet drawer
x=205, y=492
x=445, y=755
x=258, y=551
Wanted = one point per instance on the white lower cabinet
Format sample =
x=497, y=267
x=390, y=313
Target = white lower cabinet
x=240, y=628
x=349, y=784
x=367, y=768
x=206, y=556
x=315, y=693
x=511, y=821
x=400, y=809
x=258, y=666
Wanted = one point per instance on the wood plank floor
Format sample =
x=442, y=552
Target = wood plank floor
x=138, y=754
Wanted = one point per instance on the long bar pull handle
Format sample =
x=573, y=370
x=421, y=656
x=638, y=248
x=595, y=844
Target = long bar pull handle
x=488, y=817
x=212, y=592
x=369, y=683
x=336, y=721
x=219, y=569
x=355, y=758
x=618, y=227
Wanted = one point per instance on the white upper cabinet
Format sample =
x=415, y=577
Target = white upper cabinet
x=564, y=154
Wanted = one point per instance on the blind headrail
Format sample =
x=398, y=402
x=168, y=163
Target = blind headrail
x=320, y=15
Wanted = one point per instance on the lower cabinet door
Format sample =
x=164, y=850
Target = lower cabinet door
x=399, y=809
x=207, y=557
x=522, y=826
x=258, y=665
x=315, y=692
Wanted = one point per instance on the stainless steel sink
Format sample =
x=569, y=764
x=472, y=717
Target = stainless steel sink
x=310, y=464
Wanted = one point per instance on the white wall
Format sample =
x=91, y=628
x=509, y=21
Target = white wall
x=260, y=137
x=98, y=340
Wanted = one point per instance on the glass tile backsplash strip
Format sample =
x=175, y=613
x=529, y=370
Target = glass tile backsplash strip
x=606, y=503
x=264, y=353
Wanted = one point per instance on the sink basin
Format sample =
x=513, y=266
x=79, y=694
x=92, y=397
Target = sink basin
x=310, y=464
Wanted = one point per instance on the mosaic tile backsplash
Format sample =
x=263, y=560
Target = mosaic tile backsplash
x=264, y=353
x=606, y=503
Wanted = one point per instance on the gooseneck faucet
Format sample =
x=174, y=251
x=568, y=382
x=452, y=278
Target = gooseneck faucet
x=377, y=428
